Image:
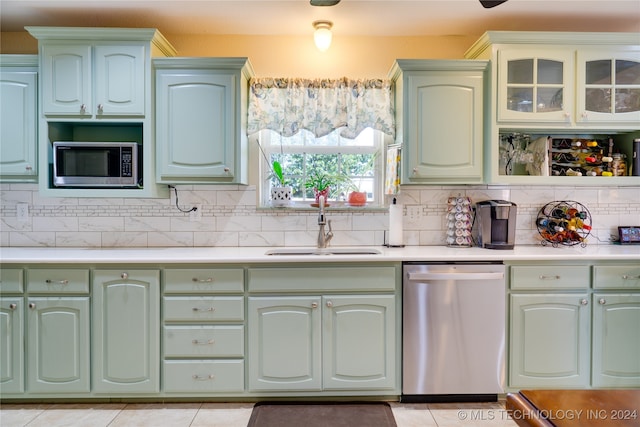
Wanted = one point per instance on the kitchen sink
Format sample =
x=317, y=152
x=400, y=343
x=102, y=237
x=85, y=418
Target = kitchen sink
x=325, y=251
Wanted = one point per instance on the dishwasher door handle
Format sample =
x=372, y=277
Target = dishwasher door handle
x=454, y=276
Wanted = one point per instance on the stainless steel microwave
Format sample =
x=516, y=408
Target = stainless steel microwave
x=95, y=164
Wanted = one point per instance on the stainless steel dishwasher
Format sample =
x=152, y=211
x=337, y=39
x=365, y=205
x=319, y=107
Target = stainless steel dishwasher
x=453, y=332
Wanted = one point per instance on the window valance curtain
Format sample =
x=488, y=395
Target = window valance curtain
x=287, y=105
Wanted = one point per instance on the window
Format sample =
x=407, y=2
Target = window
x=355, y=164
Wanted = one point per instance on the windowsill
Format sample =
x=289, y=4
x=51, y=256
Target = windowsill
x=333, y=206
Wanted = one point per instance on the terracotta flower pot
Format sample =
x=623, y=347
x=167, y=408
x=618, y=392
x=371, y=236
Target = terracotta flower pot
x=357, y=198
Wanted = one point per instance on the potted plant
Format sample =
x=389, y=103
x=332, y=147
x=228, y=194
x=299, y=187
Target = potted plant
x=323, y=184
x=280, y=191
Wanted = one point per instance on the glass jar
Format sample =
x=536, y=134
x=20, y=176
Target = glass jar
x=619, y=165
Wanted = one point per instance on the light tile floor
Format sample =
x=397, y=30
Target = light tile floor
x=230, y=415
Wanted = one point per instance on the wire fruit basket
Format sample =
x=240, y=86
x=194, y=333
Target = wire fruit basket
x=564, y=223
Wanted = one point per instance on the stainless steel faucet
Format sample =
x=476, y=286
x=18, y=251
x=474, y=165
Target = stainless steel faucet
x=323, y=239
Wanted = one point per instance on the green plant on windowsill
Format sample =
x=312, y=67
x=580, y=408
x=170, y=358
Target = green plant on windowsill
x=323, y=184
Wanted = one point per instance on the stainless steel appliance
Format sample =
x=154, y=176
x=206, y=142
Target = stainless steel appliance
x=453, y=332
x=496, y=220
x=95, y=164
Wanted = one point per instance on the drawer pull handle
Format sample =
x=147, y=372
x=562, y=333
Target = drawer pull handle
x=204, y=309
x=625, y=277
x=584, y=301
x=203, y=377
x=59, y=282
x=198, y=342
x=207, y=280
x=543, y=277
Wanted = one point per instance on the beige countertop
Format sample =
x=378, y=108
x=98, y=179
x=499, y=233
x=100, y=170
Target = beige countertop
x=226, y=255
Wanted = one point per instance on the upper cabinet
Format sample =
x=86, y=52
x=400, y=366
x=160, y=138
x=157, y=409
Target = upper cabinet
x=96, y=86
x=201, y=107
x=93, y=80
x=575, y=93
x=18, y=118
x=439, y=119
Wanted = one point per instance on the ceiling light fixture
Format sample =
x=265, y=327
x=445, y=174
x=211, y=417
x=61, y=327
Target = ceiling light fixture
x=322, y=35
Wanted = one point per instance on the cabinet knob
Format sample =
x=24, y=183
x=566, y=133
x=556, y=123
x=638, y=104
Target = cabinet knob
x=602, y=301
x=314, y=305
x=100, y=108
x=329, y=304
x=415, y=171
x=29, y=167
x=124, y=276
x=584, y=115
x=226, y=170
x=207, y=280
x=83, y=108
x=584, y=301
x=13, y=306
x=32, y=305
x=58, y=282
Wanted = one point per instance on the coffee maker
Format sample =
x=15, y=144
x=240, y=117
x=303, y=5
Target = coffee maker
x=496, y=221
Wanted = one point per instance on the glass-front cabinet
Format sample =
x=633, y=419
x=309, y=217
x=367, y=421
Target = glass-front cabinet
x=563, y=108
x=609, y=86
x=535, y=85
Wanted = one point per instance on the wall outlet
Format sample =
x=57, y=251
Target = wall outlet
x=196, y=215
x=22, y=211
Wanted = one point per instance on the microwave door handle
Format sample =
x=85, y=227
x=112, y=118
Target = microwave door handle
x=455, y=276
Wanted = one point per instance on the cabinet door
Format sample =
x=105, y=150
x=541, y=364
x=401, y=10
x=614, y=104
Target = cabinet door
x=119, y=80
x=549, y=340
x=126, y=330
x=66, y=80
x=284, y=343
x=359, y=342
x=11, y=345
x=195, y=126
x=616, y=340
x=535, y=85
x=445, y=123
x=58, y=345
x=18, y=125
x=608, y=86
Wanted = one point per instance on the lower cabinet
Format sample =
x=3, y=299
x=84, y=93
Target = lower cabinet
x=12, y=344
x=58, y=345
x=323, y=342
x=616, y=340
x=126, y=331
x=550, y=340
x=581, y=334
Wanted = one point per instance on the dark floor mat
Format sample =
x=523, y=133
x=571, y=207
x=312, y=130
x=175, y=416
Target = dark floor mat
x=375, y=414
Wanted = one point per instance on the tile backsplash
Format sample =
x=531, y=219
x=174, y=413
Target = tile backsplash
x=229, y=216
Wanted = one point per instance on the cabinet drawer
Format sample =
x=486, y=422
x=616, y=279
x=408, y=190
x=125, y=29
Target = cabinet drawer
x=203, y=281
x=616, y=276
x=203, y=309
x=204, y=341
x=203, y=375
x=11, y=280
x=320, y=279
x=52, y=281
x=550, y=277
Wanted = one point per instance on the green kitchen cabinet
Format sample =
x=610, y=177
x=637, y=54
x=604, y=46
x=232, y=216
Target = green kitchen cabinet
x=201, y=106
x=616, y=340
x=549, y=340
x=93, y=79
x=323, y=330
x=440, y=120
x=126, y=331
x=562, y=85
x=58, y=345
x=12, y=344
x=18, y=118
